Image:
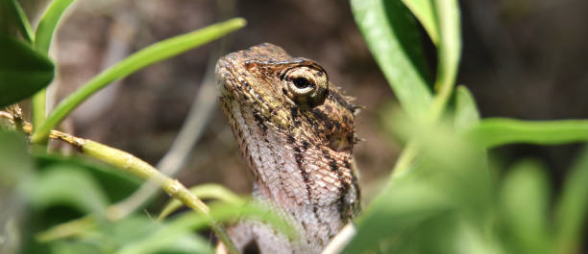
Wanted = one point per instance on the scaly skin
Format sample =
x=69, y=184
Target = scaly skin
x=296, y=134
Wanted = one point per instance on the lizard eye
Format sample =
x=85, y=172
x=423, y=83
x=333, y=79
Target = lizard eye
x=307, y=86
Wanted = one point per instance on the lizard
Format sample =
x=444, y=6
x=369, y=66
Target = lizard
x=296, y=133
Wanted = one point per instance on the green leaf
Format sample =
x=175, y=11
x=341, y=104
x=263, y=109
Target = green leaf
x=23, y=22
x=492, y=132
x=392, y=217
x=204, y=191
x=392, y=36
x=466, y=111
x=67, y=185
x=423, y=10
x=448, y=53
x=23, y=71
x=145, y=57
x=524, y=199
x=116, y=184
x=571, y=210
x=48, y=23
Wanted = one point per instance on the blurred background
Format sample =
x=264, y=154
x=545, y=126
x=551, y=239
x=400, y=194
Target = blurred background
x=521, y=58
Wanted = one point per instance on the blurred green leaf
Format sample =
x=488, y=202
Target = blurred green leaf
x=524, y=199
x=447, y=196
x=67, y=185
x=571, y=210
x=154, y=53
x=115, y=183
x=423, y=10
x=392, y=36
x=394, y=216
x=93, y=235
x=466, y=111
x=190, y=221
x=23, y=71
x=492, y=132
x=48, y=23
x=16, y=164
x=16, y=169
x=204, y=191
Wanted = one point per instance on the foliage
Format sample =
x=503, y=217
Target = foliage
x=445, y=197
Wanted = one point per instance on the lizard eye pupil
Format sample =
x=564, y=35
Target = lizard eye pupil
x=302, y=83
x=306, y=86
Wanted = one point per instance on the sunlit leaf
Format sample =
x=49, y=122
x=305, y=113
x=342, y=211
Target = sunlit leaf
x=423, y=10
x=392, y=36
x=23, y=71
x=493, y=132
x=48, y=23
x=448, y=53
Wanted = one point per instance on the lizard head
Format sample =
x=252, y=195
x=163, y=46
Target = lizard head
x=270, y=89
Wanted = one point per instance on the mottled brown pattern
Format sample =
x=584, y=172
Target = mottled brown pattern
x=296, y=134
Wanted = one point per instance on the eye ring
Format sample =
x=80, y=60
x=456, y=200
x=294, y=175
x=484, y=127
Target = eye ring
x=307, y=86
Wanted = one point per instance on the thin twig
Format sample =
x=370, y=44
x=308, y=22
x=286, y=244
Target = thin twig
x=341, y=240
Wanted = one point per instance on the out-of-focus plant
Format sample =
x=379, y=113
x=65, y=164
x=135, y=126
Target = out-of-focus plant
x=66, y=198
x=443, y=196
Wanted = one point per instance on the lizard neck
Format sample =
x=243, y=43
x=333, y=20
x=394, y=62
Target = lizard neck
x=315, y=186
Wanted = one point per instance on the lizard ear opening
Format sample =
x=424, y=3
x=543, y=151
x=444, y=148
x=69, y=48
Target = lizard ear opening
x=307, y=86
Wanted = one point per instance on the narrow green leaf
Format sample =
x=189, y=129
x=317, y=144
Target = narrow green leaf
x=204, y=191
x=392, y=37
x=524, y=199
x=423, y=10
x=448, y=53
x=493, y=132
x=147, y=56
x=571, y=211
x=65, y=185
x=23, y=22
x=48, y=23
x=466, y=111
x=23, y=71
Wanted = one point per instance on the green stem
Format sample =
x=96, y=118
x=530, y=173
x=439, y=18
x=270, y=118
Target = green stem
x=152, y=54
x=39, y=110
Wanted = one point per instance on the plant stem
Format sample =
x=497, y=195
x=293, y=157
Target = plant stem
x=38, y=108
